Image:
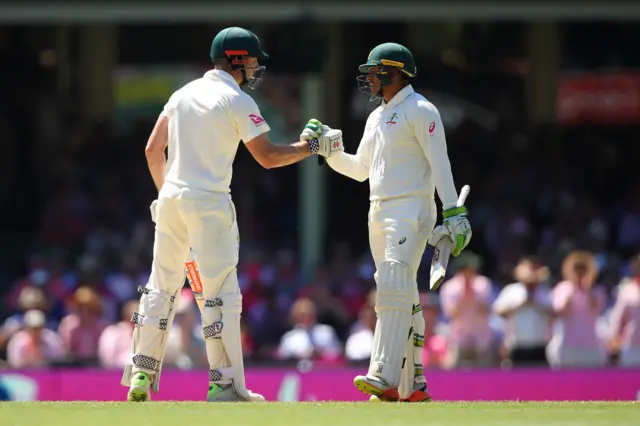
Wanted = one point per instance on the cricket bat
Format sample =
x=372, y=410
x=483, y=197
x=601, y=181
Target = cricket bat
x=193, y=275
x=441, y=253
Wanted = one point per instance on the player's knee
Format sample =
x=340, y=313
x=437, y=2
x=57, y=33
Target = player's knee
x=155, y=308
x=218, y=311
x=395, y=286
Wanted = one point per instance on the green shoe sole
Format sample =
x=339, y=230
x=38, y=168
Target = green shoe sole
x=138, y=394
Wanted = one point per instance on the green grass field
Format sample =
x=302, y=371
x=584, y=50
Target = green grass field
x=319, y=414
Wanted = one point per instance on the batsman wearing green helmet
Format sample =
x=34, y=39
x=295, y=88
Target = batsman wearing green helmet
x=201, y=127
x=403, y=153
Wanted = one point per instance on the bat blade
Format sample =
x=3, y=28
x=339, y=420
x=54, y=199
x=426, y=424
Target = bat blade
x=441, y=253
x=439, y=263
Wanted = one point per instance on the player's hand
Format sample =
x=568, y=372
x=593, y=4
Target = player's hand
x=329, y=143
x=152, y=208
x=313, y=130
x=456, y=223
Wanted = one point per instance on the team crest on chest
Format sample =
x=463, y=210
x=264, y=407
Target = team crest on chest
x=392, y=120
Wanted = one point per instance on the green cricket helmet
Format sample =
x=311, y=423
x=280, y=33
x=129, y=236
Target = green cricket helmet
x=237, y=45
x=385, y=58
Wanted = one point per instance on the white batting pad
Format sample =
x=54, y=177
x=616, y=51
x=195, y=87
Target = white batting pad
x=221, y=319
x=412, y=370
x=394, y=297
x=153, y=323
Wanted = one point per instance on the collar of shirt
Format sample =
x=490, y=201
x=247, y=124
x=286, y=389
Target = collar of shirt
x=399, y=97
x=216, y=74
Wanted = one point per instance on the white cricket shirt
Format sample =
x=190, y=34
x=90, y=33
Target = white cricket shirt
x=207, y=119
x=403, y=152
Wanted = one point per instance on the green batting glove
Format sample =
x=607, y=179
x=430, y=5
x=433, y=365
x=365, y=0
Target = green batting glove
x=313, y=130
x=457, y=224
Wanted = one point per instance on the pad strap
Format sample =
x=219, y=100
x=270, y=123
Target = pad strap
x=212, y=331
x=143, y=361
x=142, y=320
x=167, y=296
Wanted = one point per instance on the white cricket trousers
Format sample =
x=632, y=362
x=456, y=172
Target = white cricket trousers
x=209, y=228
x=399, y=230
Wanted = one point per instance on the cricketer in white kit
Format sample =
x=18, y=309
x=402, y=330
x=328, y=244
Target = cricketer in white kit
x=201, y=126
x=403, y=153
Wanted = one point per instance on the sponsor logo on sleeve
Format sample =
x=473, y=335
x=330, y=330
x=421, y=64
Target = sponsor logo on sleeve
x=257, y=120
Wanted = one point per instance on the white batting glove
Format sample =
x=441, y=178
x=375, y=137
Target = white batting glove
x=313, y=130
x=456, y=222
x=152, y=208
x=328, y=144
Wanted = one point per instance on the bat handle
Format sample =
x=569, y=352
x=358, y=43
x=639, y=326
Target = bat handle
x=321, y=160
x=463, y=195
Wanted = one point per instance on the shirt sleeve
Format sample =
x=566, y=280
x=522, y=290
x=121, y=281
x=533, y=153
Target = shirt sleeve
x=429, y=131
x=247, y=118
x=170, y=106
x=354, y=166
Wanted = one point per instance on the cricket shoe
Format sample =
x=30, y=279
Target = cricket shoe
x=226, y=393
x=376, y=387
x=421, y=394
x=140, y=388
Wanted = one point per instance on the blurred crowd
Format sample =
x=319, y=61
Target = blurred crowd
x=470, y=321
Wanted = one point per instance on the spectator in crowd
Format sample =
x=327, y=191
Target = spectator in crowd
x=186, y=347
x=625, y=319
x=308, y=340
x=114, y=346
x=466, y=301
x=577, y=302
x=30, y=298
x=264, y=320
x=80, y=331
x=435, y=351
x=360, y=342
x=40, y=277
x=34, y=346
x=527, y=313
x=322, y=291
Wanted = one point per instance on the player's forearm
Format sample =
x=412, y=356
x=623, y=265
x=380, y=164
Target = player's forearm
x=284, y=155
x=157, y=164
x=348, y=165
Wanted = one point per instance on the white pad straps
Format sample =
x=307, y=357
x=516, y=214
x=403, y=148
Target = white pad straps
x=394, y=296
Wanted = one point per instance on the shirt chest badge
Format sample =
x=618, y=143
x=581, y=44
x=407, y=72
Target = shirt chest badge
x=391, y=120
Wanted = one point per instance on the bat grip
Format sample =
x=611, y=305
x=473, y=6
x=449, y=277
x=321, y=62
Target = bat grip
x=321, y=160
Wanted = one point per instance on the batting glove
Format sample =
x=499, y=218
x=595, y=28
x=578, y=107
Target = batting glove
x=457, y=225
x=313, y=130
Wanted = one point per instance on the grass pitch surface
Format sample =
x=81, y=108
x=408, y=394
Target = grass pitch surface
x=319, y=414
